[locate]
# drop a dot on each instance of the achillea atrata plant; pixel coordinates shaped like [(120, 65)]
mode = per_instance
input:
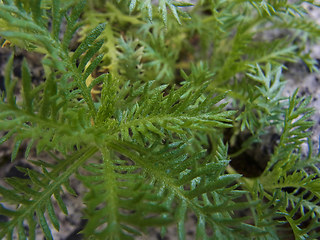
[(143, 110)]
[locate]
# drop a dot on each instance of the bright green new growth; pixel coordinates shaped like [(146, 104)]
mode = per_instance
[(149, 144)]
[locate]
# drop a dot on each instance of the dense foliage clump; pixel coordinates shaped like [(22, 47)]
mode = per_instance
[(145, 111)]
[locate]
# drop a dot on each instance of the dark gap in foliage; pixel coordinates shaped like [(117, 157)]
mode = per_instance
[(3, 218), (285, 229), (190, 233), (208, 11), (76, 235), (130, 132), (77, 63), (4, 56), (178, 77), (128, 160), (159, 237), (315, 200), (288, 189), (4, 160), (251, 161), (17, 63), (245, 212), (14, 172), (2, 88), (34, 63), (318, 65)]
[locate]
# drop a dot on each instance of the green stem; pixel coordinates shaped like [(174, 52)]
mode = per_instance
[(111, 183)]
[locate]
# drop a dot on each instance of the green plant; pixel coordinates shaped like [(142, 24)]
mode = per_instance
[(138, 112)]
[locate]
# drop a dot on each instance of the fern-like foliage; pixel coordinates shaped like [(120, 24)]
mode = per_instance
[(292, 191), (136, 110), (148, 7), (263, 101), (185, 182), (34, 196), (50, 107), (46, 111)]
